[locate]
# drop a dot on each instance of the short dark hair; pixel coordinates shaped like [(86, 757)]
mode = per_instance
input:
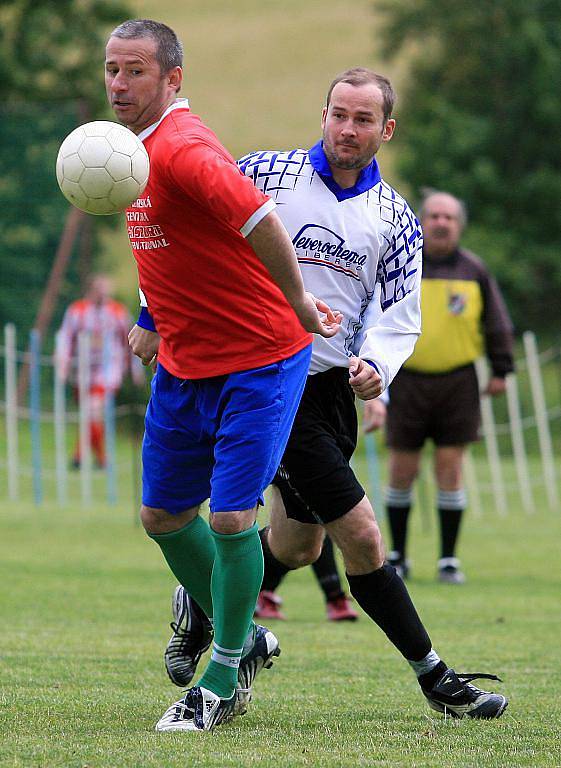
[(363, 76), (169, 51)]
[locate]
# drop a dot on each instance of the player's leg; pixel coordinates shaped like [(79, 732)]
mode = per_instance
[(249, 414), (175, 480), (187, 545), (403, 468), (384, 597), (316, 474), (97, 427), (177, 466), (295, 544), (325, 568), (407, 426), (451, 504), (235, 582), (455, 425)]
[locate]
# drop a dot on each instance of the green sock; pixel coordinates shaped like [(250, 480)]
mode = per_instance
[(190, 554), (236, 581)]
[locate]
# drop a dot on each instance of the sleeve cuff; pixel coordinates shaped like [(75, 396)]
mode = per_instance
[(256, 217), (145, 320)]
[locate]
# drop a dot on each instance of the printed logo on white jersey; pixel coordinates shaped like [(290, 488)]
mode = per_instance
[(317, 244)]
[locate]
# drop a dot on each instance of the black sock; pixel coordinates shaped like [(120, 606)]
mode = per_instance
[(428, 681), (275, 571), (398, 518), (450, 520), (325, 569), (384, 597)]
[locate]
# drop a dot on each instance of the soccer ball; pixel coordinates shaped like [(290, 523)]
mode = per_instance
[(102, 167)]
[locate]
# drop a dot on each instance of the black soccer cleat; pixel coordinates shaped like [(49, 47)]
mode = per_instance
[(454, 695), (192, 636), (265, 648)]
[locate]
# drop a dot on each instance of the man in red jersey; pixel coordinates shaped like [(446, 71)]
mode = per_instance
[(226, 296)]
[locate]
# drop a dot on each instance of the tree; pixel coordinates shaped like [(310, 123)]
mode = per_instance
[(50, 80), (480, 119)]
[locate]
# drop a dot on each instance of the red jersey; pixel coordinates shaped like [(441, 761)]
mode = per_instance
[(108, 325), (214, 304)]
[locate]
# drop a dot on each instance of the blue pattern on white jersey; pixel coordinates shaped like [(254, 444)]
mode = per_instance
[(353, 253)]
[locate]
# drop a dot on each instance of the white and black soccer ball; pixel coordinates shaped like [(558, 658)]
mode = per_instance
[(102, 167)]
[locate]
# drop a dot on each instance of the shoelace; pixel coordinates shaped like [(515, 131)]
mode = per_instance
[(183, 711), (466, 679), (183, 636), (469, 676)]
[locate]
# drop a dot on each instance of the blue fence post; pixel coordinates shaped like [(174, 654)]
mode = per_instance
[(109, 418), (374, 475), (35, 411)]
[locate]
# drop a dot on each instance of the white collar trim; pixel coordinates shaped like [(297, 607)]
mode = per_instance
[(178, 104)]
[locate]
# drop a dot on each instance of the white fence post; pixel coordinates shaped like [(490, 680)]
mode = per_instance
[(474, 497), (490, 436), (540, 411), (518, 447)]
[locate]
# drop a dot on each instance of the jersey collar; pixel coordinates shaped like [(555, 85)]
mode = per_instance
[(177, 104), (368, 177)]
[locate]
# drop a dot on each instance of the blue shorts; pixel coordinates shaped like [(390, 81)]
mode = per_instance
[(220, 438)]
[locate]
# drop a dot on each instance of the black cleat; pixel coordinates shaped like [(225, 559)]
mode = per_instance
[(265, 648), (454, 695), (192, 636)]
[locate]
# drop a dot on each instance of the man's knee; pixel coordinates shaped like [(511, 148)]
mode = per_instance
[(150, 518), (359, 538), (403, 468), (367, 539), (294, 556), (158, 521)]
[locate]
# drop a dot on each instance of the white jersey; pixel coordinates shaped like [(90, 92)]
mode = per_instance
[(359, 250)]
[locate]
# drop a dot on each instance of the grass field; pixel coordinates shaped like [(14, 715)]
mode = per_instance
[(85, 607)]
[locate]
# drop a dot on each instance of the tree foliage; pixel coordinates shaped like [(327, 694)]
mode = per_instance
[(480, 119), (51, 79)]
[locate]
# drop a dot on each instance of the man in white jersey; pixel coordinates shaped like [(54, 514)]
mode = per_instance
[(359, 245)]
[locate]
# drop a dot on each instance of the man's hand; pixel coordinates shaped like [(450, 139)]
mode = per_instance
[(144, 345), (364, 380), (496, 386), (374, 415), (309, 315)]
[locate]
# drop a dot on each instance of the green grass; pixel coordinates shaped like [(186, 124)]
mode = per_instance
[(85, 606)]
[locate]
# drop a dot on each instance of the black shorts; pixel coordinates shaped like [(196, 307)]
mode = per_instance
[(315, 480), (443, 407)]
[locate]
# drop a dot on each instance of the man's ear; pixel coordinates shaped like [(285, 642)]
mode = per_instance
[(389, 128), (175, 78)]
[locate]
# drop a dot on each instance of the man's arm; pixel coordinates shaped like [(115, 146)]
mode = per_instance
[(273, 247), (144, 344), (374, 414), (144, 339), (499, 336), (392, 322)]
